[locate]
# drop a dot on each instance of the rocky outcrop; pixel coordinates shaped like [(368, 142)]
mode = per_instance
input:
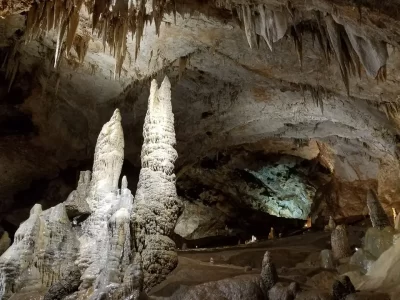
[(199, 221), (156, 201)]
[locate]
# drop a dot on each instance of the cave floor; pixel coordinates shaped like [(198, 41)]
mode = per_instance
[(292, 256)]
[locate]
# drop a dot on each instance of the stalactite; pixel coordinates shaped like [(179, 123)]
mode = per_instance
[(317, 94), (81, 45), (391, 109), (298, 44), (263, 26), (114, 19), (72, 28), (336, 43), (248, 24), (12, 65)]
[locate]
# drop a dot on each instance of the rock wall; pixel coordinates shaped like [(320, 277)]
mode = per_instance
[(156, 202)]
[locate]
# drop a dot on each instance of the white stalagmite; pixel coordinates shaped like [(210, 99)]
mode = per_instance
[(76, 204), (105, 240), (44, 247), (51, 257), (108, 160), (156, 204)]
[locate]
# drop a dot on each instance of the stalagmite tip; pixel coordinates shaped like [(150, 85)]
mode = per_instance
[(116, 115)]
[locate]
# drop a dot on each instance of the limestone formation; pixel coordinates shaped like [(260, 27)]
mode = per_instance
[(44, 248), (331, 224), (377, 214), (269, 276), (397, 222), (156, 202), (340, 242), (4, 242), (51, 257), (65, 286), (363, 260), (76, 204), (377, 241), (106, 249)]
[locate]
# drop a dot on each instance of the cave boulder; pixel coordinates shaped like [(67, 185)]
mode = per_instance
[(200, 221)]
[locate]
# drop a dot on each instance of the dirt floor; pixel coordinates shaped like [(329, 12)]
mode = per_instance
[(296, 258)]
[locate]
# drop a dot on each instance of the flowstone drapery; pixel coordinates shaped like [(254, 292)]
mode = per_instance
[(156, 203), (53, 256)]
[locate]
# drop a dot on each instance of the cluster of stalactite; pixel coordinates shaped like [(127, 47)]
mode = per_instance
[(113, 20), (350, 47)]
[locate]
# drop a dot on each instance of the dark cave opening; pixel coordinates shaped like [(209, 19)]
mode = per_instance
[(240, 194)]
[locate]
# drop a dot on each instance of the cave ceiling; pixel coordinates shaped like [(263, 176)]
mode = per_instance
[(328, 89)]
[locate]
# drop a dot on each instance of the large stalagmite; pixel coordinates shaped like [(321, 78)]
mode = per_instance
[(44, 248), (95, 256), (105, 241), (156, 202)]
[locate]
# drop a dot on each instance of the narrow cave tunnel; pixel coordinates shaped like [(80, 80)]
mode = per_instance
[(190, 150)]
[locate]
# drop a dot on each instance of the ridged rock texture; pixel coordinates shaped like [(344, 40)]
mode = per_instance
[(55, 257), (44, 248), (156, 203)]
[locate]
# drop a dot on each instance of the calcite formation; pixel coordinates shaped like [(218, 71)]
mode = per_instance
[(4, 242), (76, 204), (347, 43), (156, 202), (44, 247), (340, 242), (377, 214), (269, 276), (377, 241), (55, 253), (327, 260)]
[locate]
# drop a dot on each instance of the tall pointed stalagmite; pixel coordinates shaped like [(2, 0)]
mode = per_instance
[(97, 243), (376, 213), (52, 256), (156, 205)]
